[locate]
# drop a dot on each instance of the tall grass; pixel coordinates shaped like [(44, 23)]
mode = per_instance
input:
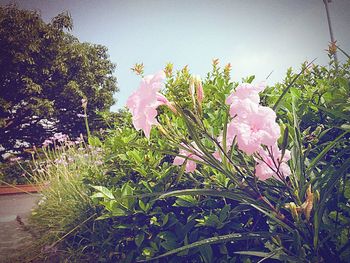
[(65, 212)]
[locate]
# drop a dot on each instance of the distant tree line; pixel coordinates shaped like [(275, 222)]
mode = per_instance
[(45, 72)]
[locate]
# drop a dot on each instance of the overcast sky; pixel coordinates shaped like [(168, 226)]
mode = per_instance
[(255, 36)]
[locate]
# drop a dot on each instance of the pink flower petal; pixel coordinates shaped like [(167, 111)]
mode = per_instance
[(271, 163), (143, 102), (190, 164)]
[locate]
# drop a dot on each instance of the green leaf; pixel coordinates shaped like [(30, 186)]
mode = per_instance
[(240, 197), (224, 213), (104, 191), (206, 253), (118, 212), (250, 79), (139, 239), (345, 127), (214, 240), (165, 219), (143, 206), (342, 51), (94, 141), (273, 255), (314, 161), (347, 190), (212, 220), (219, 193), (127, 190), (186, 201), (98, 195), (298, 156), (334, 113), (104, 216), (273, 217), (285, 141), (147, 252), (170, 240), (135, 155), (325, 195)]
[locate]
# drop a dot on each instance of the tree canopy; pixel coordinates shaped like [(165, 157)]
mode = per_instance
[(45, 72)]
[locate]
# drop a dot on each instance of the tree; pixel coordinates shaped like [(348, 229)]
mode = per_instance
[(44, 74)]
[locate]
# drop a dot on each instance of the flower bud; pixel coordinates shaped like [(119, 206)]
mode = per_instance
[(84, 103), (162, 130), (308, 204), (169, 69), (196, 89), (138, 69), (318, 130), (317, 196), (199, 89), (162, 100), (293, 209), (332, 47), (227, 70)]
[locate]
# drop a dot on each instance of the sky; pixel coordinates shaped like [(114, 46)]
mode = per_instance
[(255, 36)]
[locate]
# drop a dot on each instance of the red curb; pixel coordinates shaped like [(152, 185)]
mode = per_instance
[(23, 188)]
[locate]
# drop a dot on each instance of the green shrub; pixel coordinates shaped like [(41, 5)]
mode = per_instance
[(294, 220), (142, 207), (14, 172)]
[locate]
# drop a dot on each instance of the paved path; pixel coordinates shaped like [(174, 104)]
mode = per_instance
[(13, 210)]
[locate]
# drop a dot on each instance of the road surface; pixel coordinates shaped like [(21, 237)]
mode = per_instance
[(14, 210)]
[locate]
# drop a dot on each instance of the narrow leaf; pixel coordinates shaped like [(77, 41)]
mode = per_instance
[(325, 151), (214, 240)]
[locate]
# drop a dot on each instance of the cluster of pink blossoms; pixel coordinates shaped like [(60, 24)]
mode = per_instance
[(272, 162), (253, 126), (144, 101), (57, 137)]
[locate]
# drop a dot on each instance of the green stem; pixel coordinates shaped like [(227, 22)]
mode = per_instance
[(86, 123)]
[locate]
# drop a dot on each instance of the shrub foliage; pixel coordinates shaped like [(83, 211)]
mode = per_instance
[(145, 208)]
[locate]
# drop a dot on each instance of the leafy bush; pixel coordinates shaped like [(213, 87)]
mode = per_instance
[(297, 217), (143, 207), (14, 172)]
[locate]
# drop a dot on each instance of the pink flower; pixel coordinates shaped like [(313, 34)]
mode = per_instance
[(47, 143), (60, 137), (15, 159), (217, 155), (143, 102), (245, 95), (162, 100), (258, 126), (190, 164), (246, 91), (271, 163)]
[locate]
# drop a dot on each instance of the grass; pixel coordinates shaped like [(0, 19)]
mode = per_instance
[(65, 212)]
